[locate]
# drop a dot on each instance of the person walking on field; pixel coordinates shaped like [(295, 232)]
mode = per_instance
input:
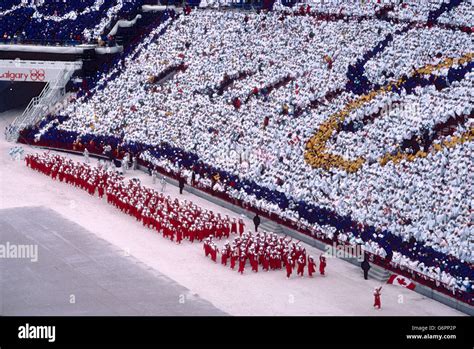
[(256, 221), (377, 294), (242, 260), (163, 184), (365, 267), (86, 156), (311, 266), (322, 264), (181, 184), (289, 267), (301, 264)]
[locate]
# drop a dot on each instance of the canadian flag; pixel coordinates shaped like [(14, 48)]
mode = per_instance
[(399, 280)]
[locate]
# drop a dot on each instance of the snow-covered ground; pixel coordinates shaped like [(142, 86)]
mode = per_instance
[(342, 292)]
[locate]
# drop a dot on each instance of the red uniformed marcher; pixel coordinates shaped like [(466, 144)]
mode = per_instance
[(377, 294), (289, 267), (322, 264), (242, 261), (311, 266), (301, 264)]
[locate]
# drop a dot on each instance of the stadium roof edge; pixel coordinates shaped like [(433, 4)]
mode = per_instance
[(79, 49)]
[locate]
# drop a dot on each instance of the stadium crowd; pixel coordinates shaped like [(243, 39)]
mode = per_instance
[(229, 100), (52, 21)]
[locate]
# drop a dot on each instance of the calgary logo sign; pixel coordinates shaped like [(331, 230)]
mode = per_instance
[(32, 75)]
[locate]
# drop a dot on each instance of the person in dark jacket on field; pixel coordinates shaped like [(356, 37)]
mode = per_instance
[(256, 221), (181, 184), (365, 267)]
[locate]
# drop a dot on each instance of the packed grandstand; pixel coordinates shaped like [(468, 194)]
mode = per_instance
[(71, 22), (350, 121)]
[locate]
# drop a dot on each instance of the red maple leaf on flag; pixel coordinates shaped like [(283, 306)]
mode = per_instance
[(401, 281)]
